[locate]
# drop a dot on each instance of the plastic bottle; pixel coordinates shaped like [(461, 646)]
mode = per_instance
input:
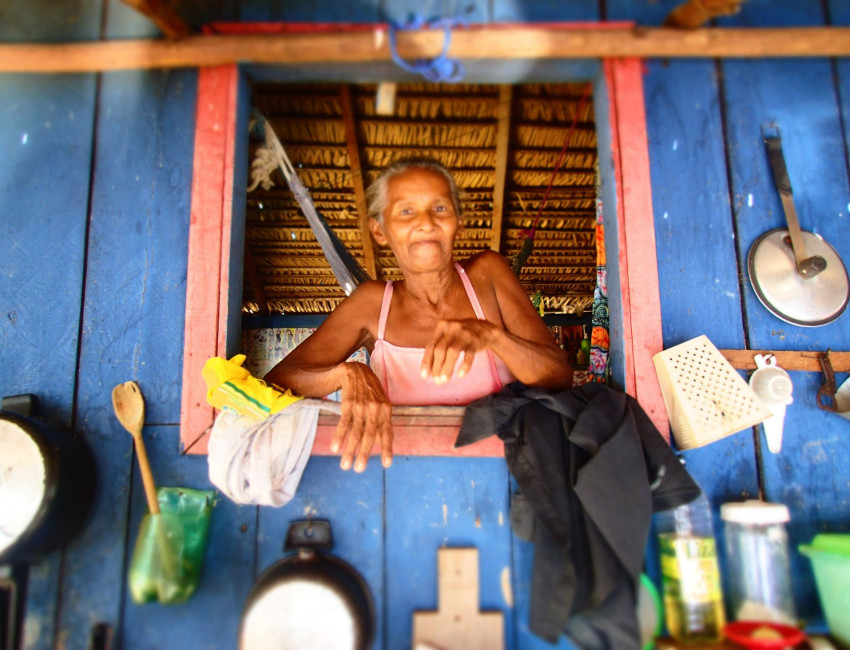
[(758, 562), (693, 600)]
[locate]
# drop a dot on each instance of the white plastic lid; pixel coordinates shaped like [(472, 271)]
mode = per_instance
[(755, 512)]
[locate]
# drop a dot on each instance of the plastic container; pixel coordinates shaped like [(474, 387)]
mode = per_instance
[(830, 556), (758, 562), (764, 636), (650, 613), (693, 600), (705, 397), (169, 552)]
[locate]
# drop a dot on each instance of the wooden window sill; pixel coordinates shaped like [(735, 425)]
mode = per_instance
[(417, 431)]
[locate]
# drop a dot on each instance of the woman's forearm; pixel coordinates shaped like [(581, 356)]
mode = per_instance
[(532, 363), (307, 380)]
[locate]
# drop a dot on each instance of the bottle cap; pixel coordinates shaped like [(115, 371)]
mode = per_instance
[(755, 512)]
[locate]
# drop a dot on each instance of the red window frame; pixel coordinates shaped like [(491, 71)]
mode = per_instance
[(209, 277)]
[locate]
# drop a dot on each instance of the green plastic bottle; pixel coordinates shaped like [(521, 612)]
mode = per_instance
[(693, 600)]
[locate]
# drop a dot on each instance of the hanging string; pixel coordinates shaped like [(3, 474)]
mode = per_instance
[(440, 68), (528, 243)]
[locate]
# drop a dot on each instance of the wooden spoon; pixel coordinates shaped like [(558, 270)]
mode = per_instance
[(129, 408)]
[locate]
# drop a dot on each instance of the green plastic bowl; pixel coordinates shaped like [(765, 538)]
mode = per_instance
[(830, 556)]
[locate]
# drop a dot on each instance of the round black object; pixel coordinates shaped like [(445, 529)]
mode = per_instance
[(309, 599), (47, 484)]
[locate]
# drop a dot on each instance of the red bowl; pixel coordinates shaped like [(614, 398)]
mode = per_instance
[(742, 631)]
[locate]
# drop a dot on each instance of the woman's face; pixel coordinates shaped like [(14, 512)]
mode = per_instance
[(420, 223)]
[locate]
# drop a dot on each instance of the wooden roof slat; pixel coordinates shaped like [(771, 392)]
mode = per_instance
[(500, 159), (357, 179)]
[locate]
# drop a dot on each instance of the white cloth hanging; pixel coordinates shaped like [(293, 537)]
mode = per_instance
[(261, 463)]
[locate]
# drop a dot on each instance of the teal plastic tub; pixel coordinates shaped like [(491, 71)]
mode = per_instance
[(830, 556)]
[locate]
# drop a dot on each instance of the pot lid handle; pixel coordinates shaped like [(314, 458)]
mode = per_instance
[(309, 534), (24, 405), (807, 267)]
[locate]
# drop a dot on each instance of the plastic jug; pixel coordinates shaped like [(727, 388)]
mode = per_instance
[(693, 600), (758, 562)]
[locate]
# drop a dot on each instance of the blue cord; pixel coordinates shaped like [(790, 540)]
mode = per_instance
[(440, 68)]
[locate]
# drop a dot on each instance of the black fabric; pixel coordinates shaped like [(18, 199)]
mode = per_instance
[(593, 468)]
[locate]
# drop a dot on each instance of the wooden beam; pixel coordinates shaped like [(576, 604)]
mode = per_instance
[(367, 46), (254, 281), (163, 16), (357, 179), (503, 137), (470, 123), (788, 359), (554, 150)]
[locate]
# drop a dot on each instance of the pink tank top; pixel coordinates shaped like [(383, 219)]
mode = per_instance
[(398, 368)]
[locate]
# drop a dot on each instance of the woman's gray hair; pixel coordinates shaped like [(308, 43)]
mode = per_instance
[(376, 195)]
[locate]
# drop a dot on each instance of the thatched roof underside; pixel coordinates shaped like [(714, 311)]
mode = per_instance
[(480, 132)]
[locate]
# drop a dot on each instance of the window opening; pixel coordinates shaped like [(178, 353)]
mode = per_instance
[(501, 142)]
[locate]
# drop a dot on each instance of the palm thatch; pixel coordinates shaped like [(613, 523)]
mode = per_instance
[(468, 129)]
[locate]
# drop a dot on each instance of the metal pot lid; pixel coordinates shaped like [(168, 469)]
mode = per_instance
[(808, 302), (297, 614), (309, 599), (23, 482)]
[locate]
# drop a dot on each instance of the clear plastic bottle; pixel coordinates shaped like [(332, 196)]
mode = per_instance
[(693, 600), (758, 562)]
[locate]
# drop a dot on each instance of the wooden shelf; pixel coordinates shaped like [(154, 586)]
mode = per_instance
[(788, 359)]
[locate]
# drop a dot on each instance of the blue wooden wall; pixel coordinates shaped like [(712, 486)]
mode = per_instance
[(94, 213)]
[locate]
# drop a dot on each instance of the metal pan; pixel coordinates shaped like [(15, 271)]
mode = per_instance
[(47, 485), (309, 599), (796, 274)]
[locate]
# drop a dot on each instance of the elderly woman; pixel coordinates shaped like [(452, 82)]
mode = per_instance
[(446, 334)]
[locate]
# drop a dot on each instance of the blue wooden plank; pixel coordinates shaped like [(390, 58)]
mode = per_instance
[(133, 314), (770, 13), (838, 12), (514, 11), (47, 124), (318, 11), (402, 12), (696, 249), (44, 184), (25, 20), (642, 13), (800, 97), (695, 244), (433, 503), (810, 475), (46, 132), (354, 504), (210, 617), (690, 200)]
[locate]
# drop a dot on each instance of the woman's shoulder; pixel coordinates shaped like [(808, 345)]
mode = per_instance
[(360, 310), (489, 264), (362, 303), (368, 292)]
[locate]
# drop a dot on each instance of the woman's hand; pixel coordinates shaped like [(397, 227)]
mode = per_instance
[(366, 415), (451, 338)]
